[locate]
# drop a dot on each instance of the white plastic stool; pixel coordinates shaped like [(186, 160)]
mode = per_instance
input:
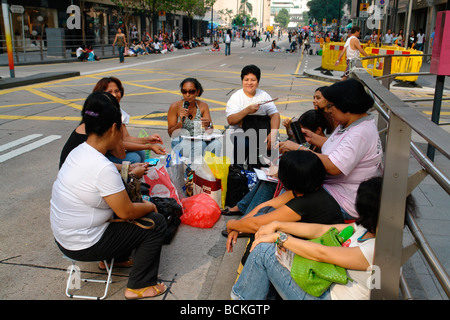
[(74, 269)]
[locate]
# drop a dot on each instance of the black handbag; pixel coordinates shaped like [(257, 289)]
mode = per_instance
[(172, 212), (237, 186)]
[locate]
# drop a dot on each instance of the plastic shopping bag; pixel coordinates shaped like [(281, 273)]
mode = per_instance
[(219, 167), (144, 134), (205, 182), (200, 211), (160, 184)]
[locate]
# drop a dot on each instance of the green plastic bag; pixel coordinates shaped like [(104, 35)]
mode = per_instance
[(315, 277), (143, 134)]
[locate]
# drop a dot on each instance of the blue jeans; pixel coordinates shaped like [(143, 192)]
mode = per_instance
[(133, 157), (262, 192), (227, 48), (121, 51), (261, 269)]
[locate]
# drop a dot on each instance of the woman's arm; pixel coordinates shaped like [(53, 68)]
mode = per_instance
[(206, 114), (172, 119), (299, 229), (252, 224), (349, 258), (122, 206), (236, 118)]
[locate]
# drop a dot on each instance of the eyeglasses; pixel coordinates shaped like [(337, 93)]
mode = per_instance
[(188, 91)]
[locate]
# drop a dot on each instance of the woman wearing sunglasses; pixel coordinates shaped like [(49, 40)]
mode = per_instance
[(191, 117)]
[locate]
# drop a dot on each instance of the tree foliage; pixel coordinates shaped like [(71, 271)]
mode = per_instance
[(325, 9), (282, 18)]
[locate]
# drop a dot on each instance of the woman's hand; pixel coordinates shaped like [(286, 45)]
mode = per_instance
[(267, 238), (206, 122), (286, 123), (252, 108), (151, 205), (231, 240), (184, 113), (154, 138), (139, 169), (286, 146), (267, 229), (157, 149)]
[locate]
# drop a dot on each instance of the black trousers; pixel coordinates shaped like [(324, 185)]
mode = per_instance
[(119, 240)]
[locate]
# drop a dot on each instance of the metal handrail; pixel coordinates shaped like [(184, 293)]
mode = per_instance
[(437, 137)]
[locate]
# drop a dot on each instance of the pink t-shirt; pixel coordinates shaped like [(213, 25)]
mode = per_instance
[(356, 151)]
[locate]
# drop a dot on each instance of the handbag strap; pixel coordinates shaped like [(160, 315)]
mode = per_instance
[(136, 222)]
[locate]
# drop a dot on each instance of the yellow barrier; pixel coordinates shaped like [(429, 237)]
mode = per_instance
[(332, 50), (398, 65), (330, 54)]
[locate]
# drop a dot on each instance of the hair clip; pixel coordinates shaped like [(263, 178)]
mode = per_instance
[(91, 113)]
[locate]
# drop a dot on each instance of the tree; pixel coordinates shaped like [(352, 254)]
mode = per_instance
[(246, 5), (326, 9), (282, 18), (227, 13)]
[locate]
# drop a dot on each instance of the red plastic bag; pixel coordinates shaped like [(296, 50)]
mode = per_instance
[(200, 211), (160, 184)]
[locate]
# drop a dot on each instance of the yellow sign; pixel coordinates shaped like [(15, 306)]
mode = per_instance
[(161, 13), (363, 6)]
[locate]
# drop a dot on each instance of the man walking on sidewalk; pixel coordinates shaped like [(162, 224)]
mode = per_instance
[(352, 48)]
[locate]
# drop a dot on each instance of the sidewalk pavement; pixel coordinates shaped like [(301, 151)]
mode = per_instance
[(214, 273)]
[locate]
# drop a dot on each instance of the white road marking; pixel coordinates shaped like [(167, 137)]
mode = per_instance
[(28, 147), (18, 141)]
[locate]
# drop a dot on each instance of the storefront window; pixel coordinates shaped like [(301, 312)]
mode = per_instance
[(35, 20)]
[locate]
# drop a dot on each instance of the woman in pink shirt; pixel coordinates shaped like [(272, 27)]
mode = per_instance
[(353, 152)]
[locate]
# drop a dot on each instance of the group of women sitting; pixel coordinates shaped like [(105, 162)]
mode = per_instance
[(332, 181)]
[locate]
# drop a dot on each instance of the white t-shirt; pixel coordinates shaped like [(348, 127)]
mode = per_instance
[(78, 212), (356, 151), (388, 38), (125, 117), (79, 52), (239, 101), (420, 37), (359, 288)]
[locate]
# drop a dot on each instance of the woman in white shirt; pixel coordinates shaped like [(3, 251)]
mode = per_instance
[(89, 191), (356, 254), (252, 101)]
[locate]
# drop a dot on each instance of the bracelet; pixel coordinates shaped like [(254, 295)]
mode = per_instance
[(299, 147)]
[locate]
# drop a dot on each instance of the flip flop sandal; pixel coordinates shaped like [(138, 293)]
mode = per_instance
[(139, 293)]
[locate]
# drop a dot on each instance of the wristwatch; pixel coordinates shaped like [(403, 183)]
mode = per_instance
[(282, 237)]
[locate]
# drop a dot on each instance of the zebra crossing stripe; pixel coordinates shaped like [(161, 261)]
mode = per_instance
[(18, 141), (28, 147)]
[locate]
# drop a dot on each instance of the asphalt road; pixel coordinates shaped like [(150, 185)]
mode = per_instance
[(36, 120)]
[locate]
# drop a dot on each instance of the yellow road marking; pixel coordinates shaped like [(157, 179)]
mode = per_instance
[(55, 99), (45, 118)]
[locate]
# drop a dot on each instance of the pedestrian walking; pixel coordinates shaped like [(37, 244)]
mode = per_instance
[(228, 43), (121, 44)]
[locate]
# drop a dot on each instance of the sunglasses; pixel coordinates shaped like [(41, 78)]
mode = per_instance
[(188, 91)]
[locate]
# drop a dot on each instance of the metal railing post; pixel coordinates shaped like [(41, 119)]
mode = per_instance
[(389, 240)]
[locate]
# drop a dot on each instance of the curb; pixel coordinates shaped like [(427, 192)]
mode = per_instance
[(37, 78)]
